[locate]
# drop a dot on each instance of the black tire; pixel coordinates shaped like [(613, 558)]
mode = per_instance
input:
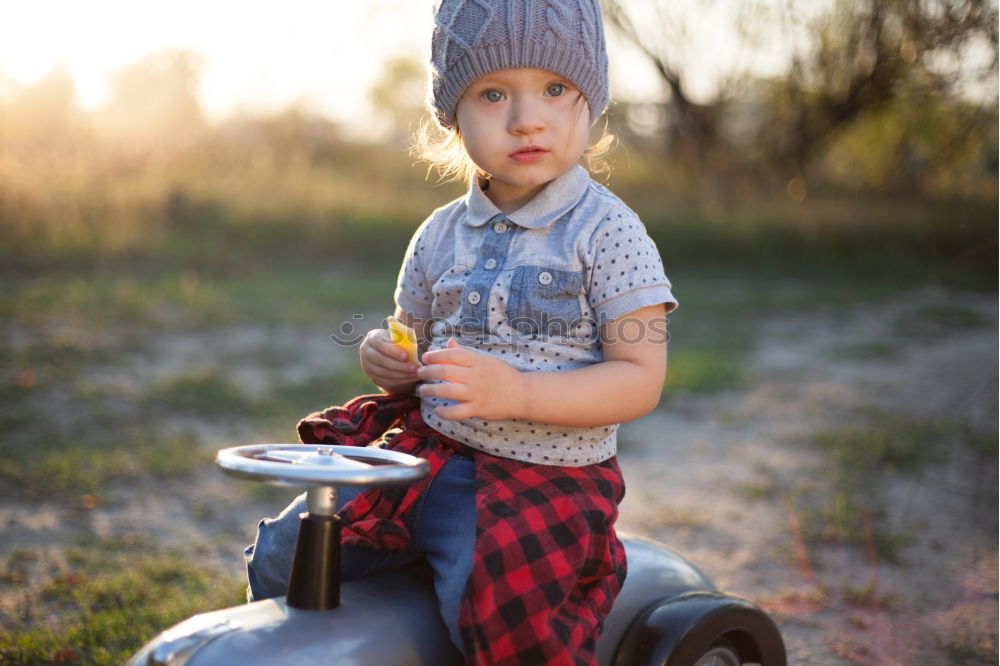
[(721, 653), (701, 628)]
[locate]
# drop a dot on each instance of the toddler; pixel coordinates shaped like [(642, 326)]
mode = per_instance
[(540, 304)]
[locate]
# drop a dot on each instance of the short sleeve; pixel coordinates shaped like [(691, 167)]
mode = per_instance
[(625, 272), (413, 291)]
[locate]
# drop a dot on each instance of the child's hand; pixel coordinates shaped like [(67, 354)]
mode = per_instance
[(387, 364), (484, 386)]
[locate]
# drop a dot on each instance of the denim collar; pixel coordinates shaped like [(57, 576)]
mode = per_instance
[(554, 201)]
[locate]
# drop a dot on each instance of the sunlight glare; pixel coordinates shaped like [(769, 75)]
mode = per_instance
[(256, 57)]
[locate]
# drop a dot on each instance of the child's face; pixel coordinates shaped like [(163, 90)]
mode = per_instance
[(524, 127)]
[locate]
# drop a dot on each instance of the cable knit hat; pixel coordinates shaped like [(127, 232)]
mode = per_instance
[(475, 37)]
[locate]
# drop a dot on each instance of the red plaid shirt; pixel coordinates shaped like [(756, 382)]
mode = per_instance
[(547, 565)]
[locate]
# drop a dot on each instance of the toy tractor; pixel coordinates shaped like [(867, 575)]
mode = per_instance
[(667, 614)]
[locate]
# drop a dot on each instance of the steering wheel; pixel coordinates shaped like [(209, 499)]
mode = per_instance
[(321, 468)]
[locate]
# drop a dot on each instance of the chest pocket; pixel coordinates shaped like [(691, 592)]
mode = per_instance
[(544, 300)]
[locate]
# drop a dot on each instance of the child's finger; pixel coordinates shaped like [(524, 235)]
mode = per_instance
[(444, 390), (383, 343), (381, 377), (395, 374), (375, 355), (454, 412), (375, 358), (444, 371), (391, 350)]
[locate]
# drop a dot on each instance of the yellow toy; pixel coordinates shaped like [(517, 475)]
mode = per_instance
[(402, 335)]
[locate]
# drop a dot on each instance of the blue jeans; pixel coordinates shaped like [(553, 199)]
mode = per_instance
[(442, 525)]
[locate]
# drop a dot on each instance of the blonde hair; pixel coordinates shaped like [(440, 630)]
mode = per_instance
[(444, 151)]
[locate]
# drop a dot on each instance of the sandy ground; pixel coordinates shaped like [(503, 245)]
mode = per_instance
[(689, 464), (714, 478)]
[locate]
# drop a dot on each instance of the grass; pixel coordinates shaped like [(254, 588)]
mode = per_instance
[(142, 299), (210, 393), (868, 596), (292, 400), (110, 596), (721, 310), (761, 490), (62, 436), (983, 444), (66, 431), (861, 457), (886, 441), (968, 649), (933, 321), (121, 438), (69, 438), (701, 370), (205, 391), (877, 350), (681, 518), (879, 244), (55, 468)]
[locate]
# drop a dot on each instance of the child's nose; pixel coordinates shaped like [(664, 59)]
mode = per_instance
[(526, 118)]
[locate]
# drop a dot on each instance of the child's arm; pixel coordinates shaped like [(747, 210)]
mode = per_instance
[(624, 386), (388, 365)]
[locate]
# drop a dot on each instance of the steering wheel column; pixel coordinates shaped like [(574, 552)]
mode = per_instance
[(314, 583)]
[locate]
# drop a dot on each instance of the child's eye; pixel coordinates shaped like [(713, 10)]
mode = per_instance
[(493, 96), (555, 89)]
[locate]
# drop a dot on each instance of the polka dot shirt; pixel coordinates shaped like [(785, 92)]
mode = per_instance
[(532, 288)]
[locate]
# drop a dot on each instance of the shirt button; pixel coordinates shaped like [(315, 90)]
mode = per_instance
[(545, 277), (500, 227), (438, 329), (490, 264), (474, 297)]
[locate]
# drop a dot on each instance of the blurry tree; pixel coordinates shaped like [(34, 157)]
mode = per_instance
[(398, 96), (866, 56), (853, 59), (941, 145), (154, 102), (293, 135), (40, 114), (659, 32)]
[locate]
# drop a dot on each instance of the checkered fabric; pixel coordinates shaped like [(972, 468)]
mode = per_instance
[(548, 564), (375, 518)]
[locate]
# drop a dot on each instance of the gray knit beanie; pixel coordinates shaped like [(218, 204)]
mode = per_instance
[(475, 37)]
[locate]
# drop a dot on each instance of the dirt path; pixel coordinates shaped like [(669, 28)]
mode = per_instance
[(715, 478), (719, 479)]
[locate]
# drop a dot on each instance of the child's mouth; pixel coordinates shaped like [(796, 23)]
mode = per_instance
[(528, 154)]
